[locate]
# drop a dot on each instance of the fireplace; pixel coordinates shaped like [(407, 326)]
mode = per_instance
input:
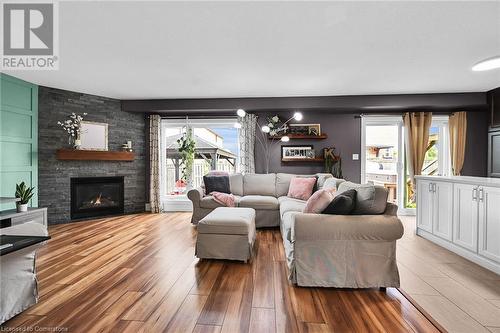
[(96, 196)]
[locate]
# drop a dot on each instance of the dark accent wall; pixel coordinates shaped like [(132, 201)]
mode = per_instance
[(344, 133), (476, 147), (54, 175)]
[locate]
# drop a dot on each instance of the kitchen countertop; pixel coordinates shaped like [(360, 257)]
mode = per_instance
[(485, 181)]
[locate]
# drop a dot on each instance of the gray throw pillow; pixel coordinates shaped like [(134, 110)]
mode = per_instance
[(370, 199)]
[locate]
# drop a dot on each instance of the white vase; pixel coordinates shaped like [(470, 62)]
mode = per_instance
[(22, 208)]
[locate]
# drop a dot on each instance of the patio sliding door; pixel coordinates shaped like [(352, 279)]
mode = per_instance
[(216, 148), (382, 155), (383, 159)]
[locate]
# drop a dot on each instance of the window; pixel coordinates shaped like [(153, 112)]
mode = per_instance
[(437, 158), (383, 160), (216, 148)]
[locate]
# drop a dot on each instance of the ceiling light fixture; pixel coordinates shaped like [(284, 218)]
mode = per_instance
[(298, 116), (266, 129), (487, 64), (241, 113), (285, 138)]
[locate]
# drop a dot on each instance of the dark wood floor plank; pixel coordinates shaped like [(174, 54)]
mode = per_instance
[(187, 315), (229, 280), (286, 319), (345, 316), (169, 305), (263, 289), (237, 317), (204, 283), (307, 305)]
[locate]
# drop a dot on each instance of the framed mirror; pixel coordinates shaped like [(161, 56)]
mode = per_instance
[(94, 136)]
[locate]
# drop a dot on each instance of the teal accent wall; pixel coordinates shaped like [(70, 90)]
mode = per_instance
[(18, 137)]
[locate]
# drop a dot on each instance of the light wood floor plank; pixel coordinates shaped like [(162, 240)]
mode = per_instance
[(262, 321)]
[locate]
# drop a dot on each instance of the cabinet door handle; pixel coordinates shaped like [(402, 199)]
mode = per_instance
[(430, 187), (434, 187), (481, 194), (474, 194)]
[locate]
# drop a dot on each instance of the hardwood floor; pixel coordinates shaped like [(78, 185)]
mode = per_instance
[(138, 273)]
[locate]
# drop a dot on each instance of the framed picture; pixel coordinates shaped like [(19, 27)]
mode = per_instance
[(94, 136), (297, 152), (305, 129)]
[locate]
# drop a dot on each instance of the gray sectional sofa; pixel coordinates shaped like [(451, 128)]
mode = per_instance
[(343, 251)]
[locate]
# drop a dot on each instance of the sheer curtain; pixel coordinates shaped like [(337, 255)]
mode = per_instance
[(154, 162), (247, 143), (458, 133), (417, 126)]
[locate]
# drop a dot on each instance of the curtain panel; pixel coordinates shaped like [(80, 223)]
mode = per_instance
[(458, 133), (154, 162), (417, 126), (247, 143)]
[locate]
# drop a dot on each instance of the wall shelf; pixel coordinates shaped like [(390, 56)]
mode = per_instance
[(93, 155), (303, 160), (303, 137)]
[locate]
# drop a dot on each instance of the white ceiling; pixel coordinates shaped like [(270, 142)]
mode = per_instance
[(135, 50)]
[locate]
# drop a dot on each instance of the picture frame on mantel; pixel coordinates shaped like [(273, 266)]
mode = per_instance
[(94, 136)]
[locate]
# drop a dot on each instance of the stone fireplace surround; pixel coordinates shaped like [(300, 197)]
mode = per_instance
[(54, 176)]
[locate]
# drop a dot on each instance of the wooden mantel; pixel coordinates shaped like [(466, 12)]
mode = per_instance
[(94, 155)]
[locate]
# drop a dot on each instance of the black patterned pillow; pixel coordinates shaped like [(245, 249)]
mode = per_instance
[(216, 183), (342, 204)]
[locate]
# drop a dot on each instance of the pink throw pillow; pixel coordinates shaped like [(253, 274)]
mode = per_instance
[(225, 199), (301, 188), (319, 201)]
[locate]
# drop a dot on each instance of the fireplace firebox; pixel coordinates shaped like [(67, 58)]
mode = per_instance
[(96, 196)]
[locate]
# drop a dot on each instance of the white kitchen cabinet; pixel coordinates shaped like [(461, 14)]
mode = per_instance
[(424, 205), (442, 210), (465, 216), (489, 222), (435, 206), (461, 214)]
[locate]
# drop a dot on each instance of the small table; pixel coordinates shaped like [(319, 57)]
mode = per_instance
[(10, 243)]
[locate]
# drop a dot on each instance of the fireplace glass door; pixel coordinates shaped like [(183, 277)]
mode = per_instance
[(96, 196)]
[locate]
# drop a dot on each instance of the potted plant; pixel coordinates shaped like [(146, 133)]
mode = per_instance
[(24, 194), (187, 147)]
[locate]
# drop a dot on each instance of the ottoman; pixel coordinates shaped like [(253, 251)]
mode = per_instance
[(226, 233)]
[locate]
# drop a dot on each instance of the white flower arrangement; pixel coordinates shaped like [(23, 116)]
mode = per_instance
[(73, 124), (274, 124)]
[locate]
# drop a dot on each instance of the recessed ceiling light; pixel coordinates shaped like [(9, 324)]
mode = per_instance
[(487, 64)]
